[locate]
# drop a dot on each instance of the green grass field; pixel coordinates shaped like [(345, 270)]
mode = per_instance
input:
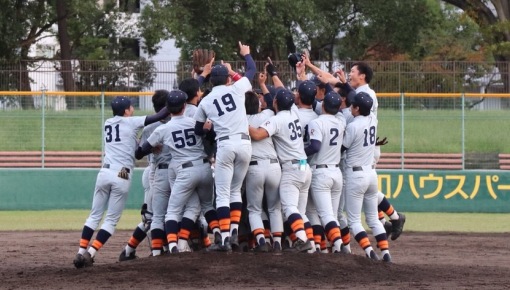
[(425, 131), (419, 222)]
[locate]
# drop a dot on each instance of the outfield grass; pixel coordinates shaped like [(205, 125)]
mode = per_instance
[(426, 131), (419, 222)]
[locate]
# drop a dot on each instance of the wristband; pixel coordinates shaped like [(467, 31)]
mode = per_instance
[(235, 77)]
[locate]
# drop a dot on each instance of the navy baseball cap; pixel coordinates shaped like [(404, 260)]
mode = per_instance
[(332, 102), (120, 104), (307, 91), (219, 70), (364, 101), (284, 99), (176, 98)]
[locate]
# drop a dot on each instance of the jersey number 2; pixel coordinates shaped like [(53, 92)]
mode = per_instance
[(109, 135), (228, 103)]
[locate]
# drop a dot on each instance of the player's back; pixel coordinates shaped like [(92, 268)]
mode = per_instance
[(360, 136), (120, 136), (224, 106), (262, 149), (329, 130), (180, 137), (286, 131)]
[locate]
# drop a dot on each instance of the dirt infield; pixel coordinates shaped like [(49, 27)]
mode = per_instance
[(43, 260)]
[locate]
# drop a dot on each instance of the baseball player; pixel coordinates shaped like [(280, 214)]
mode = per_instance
[(140, 232), (361, 178), (326, 136), (190, 174), (286, 131), (224, 107), (263, 179), (114, 178)]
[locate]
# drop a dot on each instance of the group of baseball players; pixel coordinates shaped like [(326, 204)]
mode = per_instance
[(298, 167)]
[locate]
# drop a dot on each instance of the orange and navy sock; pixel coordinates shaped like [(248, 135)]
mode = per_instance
[(382, 242), (298, 227), (224, 221), (380, 214), (86, 236), (172, 228), (186, 228), (258, 234), (235, 216), (318, 232), (364, 242), (309, 231), (158, 240), (212, 220), (387, 208), (277, 238), (138, 236), (267, 231), (346, 235), (333, 234), (101, 239)]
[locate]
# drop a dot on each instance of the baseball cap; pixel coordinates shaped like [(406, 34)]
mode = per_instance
[(120, 104), (332, 102), (364, 101), (307, 91), (176, 99), (284, 99), (219, 70)]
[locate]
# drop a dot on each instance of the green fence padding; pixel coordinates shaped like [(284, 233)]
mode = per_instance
[(407, 190)]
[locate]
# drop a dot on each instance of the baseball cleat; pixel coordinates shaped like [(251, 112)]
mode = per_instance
[(388, 227), (300, 246), (373, 256), (123, 256), (397, 226), (217, 238), (84, 260), (345, 249), (219, 247), (234, 241), (387, 258), (277, 248), (264, 248), (174, 250)]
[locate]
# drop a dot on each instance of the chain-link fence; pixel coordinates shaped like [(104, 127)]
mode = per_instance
[(424, 107)]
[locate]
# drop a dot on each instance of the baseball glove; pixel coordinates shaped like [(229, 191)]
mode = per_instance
[(201, 57)]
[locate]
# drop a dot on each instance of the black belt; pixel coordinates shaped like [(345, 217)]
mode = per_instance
[(190, 163), (327, 166), (295, 161), (125, 168), (359, 168), (243, 136), (163, 166), (270, 161)]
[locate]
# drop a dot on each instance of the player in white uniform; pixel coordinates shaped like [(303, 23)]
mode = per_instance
[(286, 131), (114, 179), (224, 107), (359, 79), (190, 174), (326, 136), (140, 232), (263, 179), (361, 178)]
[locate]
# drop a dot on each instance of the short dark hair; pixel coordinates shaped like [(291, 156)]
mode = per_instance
[(218, 80), (365, 69), (159, 99), (190, 87), (251, 103)]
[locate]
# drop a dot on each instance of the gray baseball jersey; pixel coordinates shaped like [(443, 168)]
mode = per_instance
[(120, 136), (359, 140), (305, 116), (224, 106), (190, 110), (263, 149), (329, 130), (287, 133)]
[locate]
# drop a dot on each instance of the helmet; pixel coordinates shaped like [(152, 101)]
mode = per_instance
[(307, 91), (364, 101), (120, 104), (284, 99), (332, 102)]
